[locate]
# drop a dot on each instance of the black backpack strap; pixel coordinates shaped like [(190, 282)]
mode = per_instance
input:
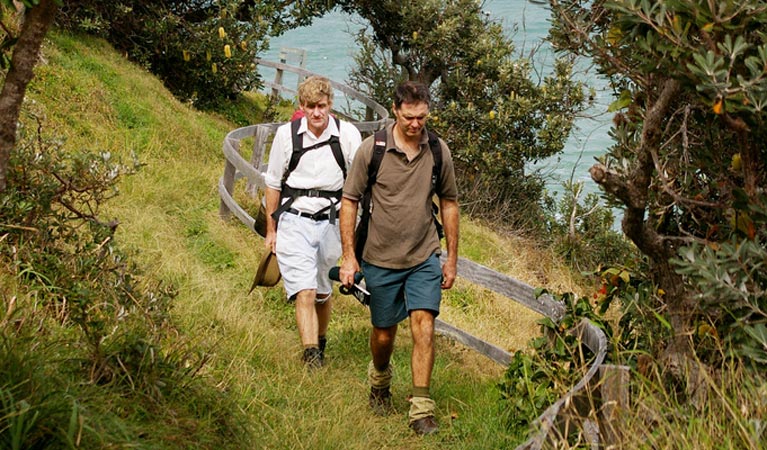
[(298, 148), (298, 151), (436, 152), (379, 148), (291, 194), (335, 146), (361, 235), (436, 172)]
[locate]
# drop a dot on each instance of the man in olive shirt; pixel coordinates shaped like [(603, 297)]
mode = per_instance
[(401, 258)]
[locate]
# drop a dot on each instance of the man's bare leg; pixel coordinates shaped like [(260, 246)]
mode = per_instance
[(422, 359), (306, 318)]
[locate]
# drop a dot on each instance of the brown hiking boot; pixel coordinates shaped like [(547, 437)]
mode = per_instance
[(312, 358), (424, 426), (380, 401)]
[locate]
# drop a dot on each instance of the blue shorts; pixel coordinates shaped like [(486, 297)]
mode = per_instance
[(396, 292)]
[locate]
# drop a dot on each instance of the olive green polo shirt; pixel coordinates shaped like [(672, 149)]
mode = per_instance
[(402, 233)]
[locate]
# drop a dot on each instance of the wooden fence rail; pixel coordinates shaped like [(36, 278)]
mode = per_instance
[(590, 405)]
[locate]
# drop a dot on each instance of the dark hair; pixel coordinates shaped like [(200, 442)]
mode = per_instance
[(411, 92)]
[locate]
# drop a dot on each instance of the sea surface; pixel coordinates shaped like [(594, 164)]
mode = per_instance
[(330, 46)]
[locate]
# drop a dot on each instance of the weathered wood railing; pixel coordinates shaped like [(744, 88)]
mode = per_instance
[(589, 405), (372, 109)]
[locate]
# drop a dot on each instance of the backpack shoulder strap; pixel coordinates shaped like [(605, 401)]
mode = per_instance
[(379, 148), (298, 148), (335, 146), (436, 151), (436, 171), (361, 235)]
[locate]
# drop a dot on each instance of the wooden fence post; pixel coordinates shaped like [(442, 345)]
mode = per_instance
[(614, 392), (285, 52)]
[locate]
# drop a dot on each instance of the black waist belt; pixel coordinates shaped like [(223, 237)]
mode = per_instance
[(316, 216)]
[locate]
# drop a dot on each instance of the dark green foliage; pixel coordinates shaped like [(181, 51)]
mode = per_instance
[(556, 362), (687, 165), (489, 107), (91, 326), (731, 285), (582, 232), (183, 43)]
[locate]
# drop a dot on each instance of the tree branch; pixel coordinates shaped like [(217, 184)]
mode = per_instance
[(632, 189), (36, 23)]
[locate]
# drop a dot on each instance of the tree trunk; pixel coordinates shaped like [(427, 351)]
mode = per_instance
[(36, 23), (633, 190)]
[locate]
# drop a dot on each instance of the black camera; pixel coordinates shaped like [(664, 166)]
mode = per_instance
[(358, 289)]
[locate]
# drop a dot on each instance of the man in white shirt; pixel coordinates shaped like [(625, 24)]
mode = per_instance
[(307, 167)]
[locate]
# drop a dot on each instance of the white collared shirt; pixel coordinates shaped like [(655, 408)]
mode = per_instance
[(317, 169)]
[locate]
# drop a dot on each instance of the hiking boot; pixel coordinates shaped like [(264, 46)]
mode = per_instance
[(424, 426), (380, 401), (312, 358)]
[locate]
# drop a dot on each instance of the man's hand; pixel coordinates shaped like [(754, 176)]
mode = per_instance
[(270, 241), (449, 273), (349, 268)]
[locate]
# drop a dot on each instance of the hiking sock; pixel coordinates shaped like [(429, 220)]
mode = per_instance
[(419, 391), (379, 379), (421, 404), (323, 342)]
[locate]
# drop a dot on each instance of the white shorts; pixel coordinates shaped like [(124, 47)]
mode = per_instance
[(306, 251)]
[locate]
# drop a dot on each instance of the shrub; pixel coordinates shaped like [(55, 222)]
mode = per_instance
[(582, 232), (88, 314), (204, 55), (730, 282), (203, 51)]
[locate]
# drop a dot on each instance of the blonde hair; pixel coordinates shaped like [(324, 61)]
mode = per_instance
[(312, 89)]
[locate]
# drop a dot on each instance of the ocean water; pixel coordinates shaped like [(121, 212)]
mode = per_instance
[(330, 46)]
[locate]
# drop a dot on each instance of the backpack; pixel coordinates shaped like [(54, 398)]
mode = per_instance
[(379, 150), (288, 194)]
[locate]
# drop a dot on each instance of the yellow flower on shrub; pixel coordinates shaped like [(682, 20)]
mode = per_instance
[(244, 45), (187, 57), (221, 32), (737, 162), (718, 106), (227, 51), (214, 68), (491, 114), (208, 56)]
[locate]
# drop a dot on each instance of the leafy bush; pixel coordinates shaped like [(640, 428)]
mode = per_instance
[(556, 362), (86, 313), (730, 282), (583, 232), (203, 54), (490, 107)]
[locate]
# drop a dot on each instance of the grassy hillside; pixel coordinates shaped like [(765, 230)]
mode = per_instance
[(168, 216)]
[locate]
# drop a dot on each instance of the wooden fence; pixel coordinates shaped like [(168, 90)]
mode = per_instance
[(590, 406)]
